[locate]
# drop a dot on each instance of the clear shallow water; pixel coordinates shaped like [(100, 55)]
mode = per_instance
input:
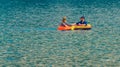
[(29, 38)]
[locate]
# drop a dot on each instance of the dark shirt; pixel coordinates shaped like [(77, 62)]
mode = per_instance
[(81, 23), (64, 24)]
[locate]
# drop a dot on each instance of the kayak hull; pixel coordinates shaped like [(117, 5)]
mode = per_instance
[(75, 27)]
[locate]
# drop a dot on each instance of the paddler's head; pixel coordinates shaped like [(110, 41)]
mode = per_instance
[(64, 19), (82, 18)]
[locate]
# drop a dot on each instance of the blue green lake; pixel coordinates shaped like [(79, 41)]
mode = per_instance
[(29, 35)]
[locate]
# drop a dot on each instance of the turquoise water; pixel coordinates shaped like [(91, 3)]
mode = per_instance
[(29, 36)]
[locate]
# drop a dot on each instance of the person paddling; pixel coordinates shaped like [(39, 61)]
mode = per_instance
[(64, 22), (82, 21)]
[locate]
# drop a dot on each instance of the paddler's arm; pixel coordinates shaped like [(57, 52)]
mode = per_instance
[(73, 23), (65, 24)]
